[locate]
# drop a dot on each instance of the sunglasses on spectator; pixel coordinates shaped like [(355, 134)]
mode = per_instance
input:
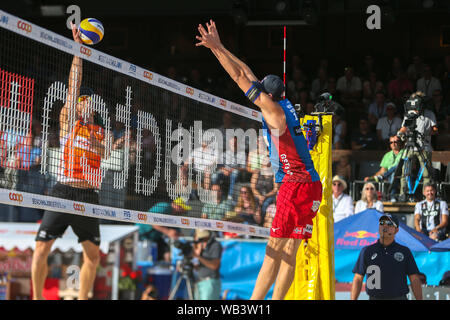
[(83, 98), (387, 223), (337, 184), (244, 191)]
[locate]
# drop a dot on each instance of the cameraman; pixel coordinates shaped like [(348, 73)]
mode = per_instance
[(208, 251), (421, 128)]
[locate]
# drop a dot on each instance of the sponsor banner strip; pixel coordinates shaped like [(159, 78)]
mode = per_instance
[(24, 199), (52, 39)]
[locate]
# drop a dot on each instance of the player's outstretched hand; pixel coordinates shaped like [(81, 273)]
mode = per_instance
[(75, 33), (208, 38)]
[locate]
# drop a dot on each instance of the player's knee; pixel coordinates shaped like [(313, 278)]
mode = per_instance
[(42, 250), (91, 255)]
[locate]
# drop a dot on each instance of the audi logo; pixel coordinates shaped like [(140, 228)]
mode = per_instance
[(24, 26), (148, 75), (15, 197), (142, 216), (79, 207), (85, 51), (189, 91)]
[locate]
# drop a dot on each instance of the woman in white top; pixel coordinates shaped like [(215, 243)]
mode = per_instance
[(369, 199)]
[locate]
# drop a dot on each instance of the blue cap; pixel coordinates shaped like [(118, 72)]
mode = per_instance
[(274, 85), (86, 91), (392, 218)]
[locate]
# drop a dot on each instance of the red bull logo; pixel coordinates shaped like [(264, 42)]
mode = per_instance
[(361, 234), (185, 221), (360, 241)]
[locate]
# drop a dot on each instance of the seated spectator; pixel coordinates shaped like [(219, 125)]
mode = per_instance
[(398, 86), (368, 94), (257, 156), (369, 199), (263, 185), (428, 84), (339, 130), (247, 207), (415, 69), (203, 159), (320, 84), (431, 215), (349, 87), (396, 68), (388, 125), (331, 88), (221, 206), (377, 109), (342, 203), (368, 67), (364, 139), (158, 234), (309, 107), (269, 215), (297, 76), (233, 166), (388, 166), (344, 169), (441, 110)]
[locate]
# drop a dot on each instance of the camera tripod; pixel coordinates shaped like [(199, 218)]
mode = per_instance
[(409, 154), (188, 277)]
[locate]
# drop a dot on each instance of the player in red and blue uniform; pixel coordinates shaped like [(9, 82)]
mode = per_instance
[(300, 193)]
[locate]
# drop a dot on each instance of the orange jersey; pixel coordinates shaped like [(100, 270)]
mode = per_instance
[(80, 162)]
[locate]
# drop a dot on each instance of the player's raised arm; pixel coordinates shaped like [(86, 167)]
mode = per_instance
[(75, 77), (242, 75)]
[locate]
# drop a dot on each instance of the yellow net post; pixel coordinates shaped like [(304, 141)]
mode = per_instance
[(314, 275)]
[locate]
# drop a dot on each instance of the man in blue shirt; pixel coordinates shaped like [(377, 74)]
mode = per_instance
[(386, 265)]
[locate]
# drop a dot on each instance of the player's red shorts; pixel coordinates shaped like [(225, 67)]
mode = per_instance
[(297, 205)]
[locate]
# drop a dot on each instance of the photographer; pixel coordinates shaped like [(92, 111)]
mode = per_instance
[(208, 251), (416, 131)]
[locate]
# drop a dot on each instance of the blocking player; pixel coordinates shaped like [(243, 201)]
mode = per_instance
[(300, 193), (82, 144)]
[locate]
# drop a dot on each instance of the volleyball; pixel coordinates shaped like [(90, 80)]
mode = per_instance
[(91, 31)]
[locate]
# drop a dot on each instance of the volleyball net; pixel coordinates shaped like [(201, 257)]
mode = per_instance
[(156, 151)]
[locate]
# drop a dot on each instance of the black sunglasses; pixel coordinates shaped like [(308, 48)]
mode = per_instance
[(386, 222)]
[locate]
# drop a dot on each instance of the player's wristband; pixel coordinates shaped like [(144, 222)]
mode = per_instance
[(254, 91)]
